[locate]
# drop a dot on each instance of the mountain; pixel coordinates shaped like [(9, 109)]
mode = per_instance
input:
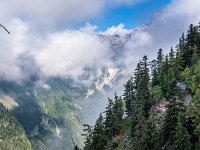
[(159, 107), (51, 112), (12, 135)]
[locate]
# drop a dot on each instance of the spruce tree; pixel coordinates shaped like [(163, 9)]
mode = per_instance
[(143, 89), (109, 119), (170, 121), (99, 138), (154, 73), (181, 137), (152, 134), (88, 134), (129, 97), (118, 113), (171, 55)]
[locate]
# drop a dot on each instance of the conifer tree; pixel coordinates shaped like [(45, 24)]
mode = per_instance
[(160, 59), (99, 138), (109, 119), (129, 97), (144, 86), (88, 137), (170, 121), (118, 113), (138, 141), (137, 75), (181, 137), (154, 73), (171, 55)]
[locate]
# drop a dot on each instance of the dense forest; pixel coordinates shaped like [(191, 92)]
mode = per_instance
[(160, 105), (12, 135)]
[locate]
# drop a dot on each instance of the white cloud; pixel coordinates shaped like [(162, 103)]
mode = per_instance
[(117, 30), (164, 30), (66, 53), (52, 13), (62, 54)]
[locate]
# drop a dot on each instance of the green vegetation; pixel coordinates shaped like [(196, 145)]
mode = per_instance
[(12, 135), (160, 105), (49, 116)]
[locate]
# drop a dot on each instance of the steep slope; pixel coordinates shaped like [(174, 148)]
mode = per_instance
[(159, 108), (48, 112), (52, 111), (12, 135)]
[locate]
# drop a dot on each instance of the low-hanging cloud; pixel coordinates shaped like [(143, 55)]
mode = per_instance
[(164, 30), (66, 53), (58, 54)]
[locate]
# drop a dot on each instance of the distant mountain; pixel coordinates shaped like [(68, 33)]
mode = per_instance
[(52, 112)]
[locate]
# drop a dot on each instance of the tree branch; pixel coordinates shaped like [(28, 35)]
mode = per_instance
[(4, 28)]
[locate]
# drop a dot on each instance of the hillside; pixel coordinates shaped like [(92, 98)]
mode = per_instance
[(52, 111), (159, 108), (12, 135)]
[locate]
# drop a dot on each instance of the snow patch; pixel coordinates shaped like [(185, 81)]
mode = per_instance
[(89, 93), (106, 79)]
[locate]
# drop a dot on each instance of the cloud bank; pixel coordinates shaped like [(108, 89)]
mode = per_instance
[(67, 52), (164, 30), (52, 13)]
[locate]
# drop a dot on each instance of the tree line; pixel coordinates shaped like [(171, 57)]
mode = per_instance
[(156, 111)]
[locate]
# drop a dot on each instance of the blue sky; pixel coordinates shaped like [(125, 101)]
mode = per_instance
[(54, 33), (130, 16)]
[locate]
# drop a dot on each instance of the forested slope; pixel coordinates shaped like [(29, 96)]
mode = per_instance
[(12, 135), (160, 107)]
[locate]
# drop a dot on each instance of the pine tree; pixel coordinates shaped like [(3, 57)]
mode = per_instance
[(181, 137), (191, 41), (88, 137), (137, 75), (109, 119), (118, 113), (143, 89), (152, 135), (137, 140), (171, 55), (170, 121), (99, 138), (194, 111), (160, 58), (154, 73), (129, 97)]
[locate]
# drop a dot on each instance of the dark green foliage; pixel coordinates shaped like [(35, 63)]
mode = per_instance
[(118, 113), (88, 137), (147, 135), (76, 147), (109, 124), (160, 113), (143, 90), (170, 121), (181, 137), (12, 135), (99, 138), (129, 97)]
